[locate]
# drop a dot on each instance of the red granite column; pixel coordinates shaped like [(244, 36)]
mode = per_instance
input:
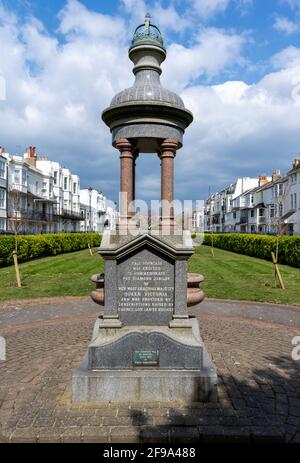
[(167, 154), (126, 178), (136, 155)]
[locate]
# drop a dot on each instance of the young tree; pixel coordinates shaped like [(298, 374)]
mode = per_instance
[(210, 220), (16, 219), (277, 221)]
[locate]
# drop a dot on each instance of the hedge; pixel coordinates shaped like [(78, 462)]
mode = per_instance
[(34, 246), (259, 246)]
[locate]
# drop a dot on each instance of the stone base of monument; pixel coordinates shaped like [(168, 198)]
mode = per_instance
[(175, 366), (146, 347)]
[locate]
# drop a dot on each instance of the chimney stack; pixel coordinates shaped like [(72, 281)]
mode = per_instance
[(276, 175), (296, 163), (263, 180), (30, 155)]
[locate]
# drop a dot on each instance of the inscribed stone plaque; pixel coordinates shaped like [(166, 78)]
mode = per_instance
[(145, 357), (145, 288)]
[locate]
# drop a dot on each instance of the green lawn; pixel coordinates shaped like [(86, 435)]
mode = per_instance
[(227, 276), (235, 276), (63, 275)]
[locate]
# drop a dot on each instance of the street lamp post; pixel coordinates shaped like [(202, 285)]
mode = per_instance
[(90, 190)]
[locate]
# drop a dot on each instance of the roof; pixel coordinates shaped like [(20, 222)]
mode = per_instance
[(288, 214), (295, 168), (270, 184), (245, 193)]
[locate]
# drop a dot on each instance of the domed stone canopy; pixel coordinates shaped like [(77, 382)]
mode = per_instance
[(147, 113), (147, 88)]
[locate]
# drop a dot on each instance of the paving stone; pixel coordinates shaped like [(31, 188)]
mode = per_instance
[(24, 436), (184, 435), (257, 400), (125, 434), (155, 434), (264, 434), (211, 434), (295, 411), (237, 435), (95, 434), (296, 439), (119, 421)]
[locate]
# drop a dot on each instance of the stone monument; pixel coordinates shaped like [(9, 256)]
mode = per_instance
[(146, 347)]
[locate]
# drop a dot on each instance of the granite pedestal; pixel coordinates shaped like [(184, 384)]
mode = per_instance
[(145, 347)]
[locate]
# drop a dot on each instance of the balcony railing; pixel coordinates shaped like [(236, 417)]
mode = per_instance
[(69, 214), (17, 187), (35, 216)]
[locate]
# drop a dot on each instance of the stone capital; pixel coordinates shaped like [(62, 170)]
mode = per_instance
[(125, 147), (168, 148)]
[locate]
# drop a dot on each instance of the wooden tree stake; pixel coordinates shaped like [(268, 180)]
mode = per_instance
[(277, 271), (15, 257), (90, 249)]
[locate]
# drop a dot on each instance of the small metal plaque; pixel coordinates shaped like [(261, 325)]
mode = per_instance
[(145, 357)]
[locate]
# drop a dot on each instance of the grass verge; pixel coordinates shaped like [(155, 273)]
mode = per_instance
[(227, 276)]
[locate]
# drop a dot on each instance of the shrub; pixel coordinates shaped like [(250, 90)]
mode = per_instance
[(259, 246), (34, 246)]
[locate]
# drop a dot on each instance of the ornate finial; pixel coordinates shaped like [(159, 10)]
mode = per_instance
[(147, 23), (147, 32)]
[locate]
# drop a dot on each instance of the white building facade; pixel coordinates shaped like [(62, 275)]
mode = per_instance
[(66, 187), (38, 195), (266, 205), (3, 191), (29, 199), (292, 199), (97, 212), (220, 208)]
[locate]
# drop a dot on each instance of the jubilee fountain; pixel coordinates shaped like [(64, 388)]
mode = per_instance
[(146, 346)]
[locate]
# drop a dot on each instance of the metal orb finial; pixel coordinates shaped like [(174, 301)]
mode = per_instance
[(147, 32), (147, 23)]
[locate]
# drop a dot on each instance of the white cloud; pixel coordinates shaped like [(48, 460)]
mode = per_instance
[(214, 51), (286, 58), (244, 3), (76, 19), (282, 24), (208, 8), (40, 47), (55, 94), (240, 129), (137, 10), (169, 19), (231, 92), (292, 3)]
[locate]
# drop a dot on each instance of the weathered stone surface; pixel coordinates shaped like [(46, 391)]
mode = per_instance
[(145, 317), (145, 288), (181, 375), (37, 374), (179, 349)]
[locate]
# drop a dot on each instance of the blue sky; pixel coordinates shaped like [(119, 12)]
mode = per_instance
[(236, 64), (254, 17)]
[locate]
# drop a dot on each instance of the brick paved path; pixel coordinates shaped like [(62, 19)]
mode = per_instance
[(251, 344)]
